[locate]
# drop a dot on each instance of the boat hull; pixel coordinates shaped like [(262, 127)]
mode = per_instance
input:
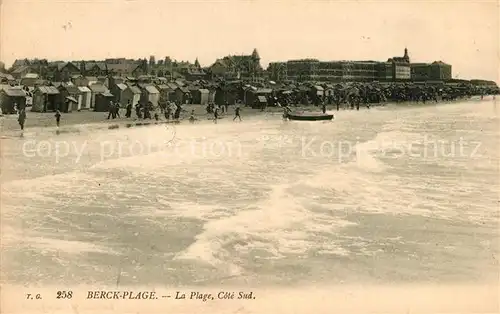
[(310, 116)]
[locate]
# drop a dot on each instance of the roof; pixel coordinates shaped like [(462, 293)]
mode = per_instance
[(151, 89), (265, 90), (31, 76), (98, 88), (72, 99), (134, 89), (21, 69), (107, 94), (162, 86), (91, 78), (121, 86), (72, 89), (183, 89), (122, 68), (204, 90), (14, 92), (7, 76), (317, 87), (262, 98), (84, 89), (51, 90), (172, 85)]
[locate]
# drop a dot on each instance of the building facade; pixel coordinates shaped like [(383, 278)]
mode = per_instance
[(244, 67), (394, 69), (435, 71)]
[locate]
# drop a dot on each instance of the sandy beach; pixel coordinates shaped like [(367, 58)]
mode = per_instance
[(9, 123)]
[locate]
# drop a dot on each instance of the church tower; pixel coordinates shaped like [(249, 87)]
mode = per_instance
[(406, 56), (255, 55), (255, 60)]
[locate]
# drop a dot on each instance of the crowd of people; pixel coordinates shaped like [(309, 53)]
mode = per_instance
[(350, 96), (354, 94)]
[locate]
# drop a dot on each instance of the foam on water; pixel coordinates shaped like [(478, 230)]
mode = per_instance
[(267, 204)]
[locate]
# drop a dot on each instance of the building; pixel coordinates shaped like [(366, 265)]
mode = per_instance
[(394, 69), (86, 96), (200, 96), (98, 89), (123, 67), (243, 67), (62, 71), (10, 98), (401, 70), (132, 94), (149, 93), (277, 71), (21, 71), (70, 92), (440, 71), (102, 101), (435, 71), (6, 78), (92, 68), (29, 79), (45, 98)]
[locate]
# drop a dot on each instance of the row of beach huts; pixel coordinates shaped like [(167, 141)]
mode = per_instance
[(96, 93)]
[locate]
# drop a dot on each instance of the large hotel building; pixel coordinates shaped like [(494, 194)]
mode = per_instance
[(394, 69)]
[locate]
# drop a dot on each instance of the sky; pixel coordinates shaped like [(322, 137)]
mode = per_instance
[(464, 34)]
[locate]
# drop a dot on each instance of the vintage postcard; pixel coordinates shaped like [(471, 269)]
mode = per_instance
[(265, 157)]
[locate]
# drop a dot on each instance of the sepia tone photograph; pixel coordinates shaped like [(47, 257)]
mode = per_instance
[(162, 156)]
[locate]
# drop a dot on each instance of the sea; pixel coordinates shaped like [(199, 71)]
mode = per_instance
[(389, 195)]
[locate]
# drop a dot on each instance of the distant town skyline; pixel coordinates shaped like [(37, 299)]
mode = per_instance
[(459, 33)]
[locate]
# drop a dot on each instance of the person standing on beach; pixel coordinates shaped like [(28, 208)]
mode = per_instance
[(216, 114), (237, 113), (192, 118), (138, 110), (111, 110), (168, 111), (22, 118), (128, 114), (58, 117), (323, 107), (117, 110)]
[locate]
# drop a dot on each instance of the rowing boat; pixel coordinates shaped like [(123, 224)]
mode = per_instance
[(309, 116)]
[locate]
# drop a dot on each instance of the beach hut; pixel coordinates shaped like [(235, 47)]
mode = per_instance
[(45, 98), (132, 94), (96, 89), (10, 97), (86, 97), (182, 95), (79, 80), (200, 96), (252, 95), (70, 97), (150, 94), (102, 101), (259, 102), (117, 90), (164, 93)]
